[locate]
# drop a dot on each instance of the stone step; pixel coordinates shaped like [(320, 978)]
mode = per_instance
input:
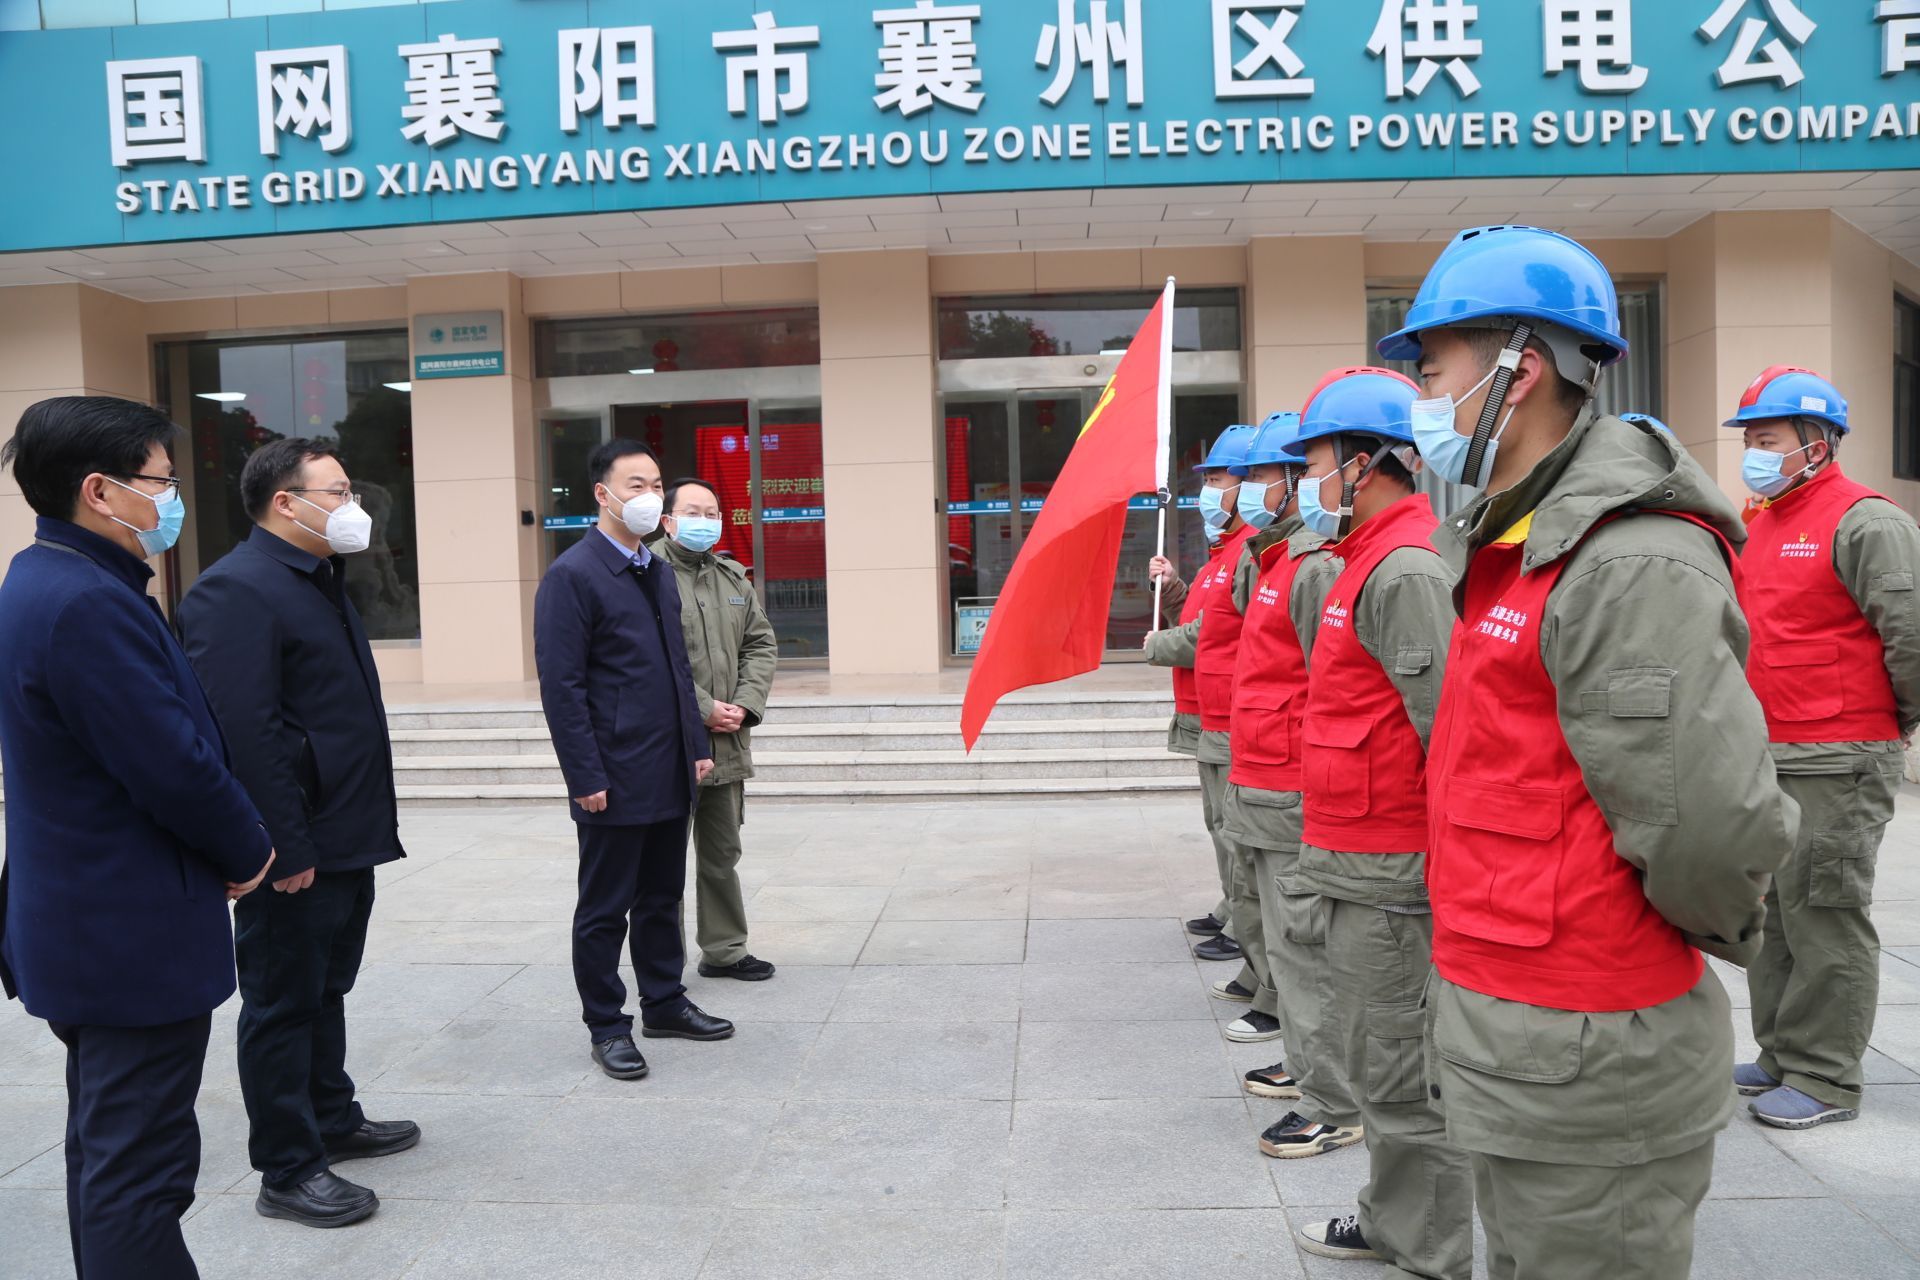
[(829, 766), (910, 735), (1028, 789), (834, 710)]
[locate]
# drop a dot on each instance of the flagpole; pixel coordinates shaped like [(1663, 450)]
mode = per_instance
[(1164, 434)]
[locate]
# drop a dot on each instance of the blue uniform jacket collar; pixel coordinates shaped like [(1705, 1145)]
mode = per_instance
[(286, 553), (611, 554), (109, 555)]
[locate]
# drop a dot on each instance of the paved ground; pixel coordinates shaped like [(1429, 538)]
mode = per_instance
[(987, 1053)]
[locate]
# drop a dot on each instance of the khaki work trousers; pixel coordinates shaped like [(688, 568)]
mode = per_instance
[(1295, 926), (720, 910), (1416, 1210), (1585, 1222), (1816, 981), (1241, 894)]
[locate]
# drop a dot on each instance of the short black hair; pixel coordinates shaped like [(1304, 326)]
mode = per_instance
[(60, 442), (1380, 452), (673, 490), (601, 460), (274, 466), (1487, 344)]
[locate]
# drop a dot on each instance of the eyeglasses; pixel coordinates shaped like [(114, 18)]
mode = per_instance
[(172, 482), (345, 495)]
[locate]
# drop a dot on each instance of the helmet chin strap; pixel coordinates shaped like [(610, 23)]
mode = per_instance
[(1490, 408)]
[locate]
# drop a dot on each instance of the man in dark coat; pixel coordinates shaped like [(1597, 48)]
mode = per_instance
[(620, 705), (126, 833), (287, 667)]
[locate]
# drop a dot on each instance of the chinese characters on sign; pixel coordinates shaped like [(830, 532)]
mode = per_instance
[(593, 107)]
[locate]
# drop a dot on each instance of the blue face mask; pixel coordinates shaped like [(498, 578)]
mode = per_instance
[(1445, 449), (696, 533), (173, 517), (1214, 511), (1315, 516), (1253, 504), (1213, 535), (1762, 471)]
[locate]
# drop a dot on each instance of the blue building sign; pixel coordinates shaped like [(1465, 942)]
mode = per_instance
[(488, 109)]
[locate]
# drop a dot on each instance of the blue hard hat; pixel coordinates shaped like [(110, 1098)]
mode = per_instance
[(1788, 391), (1524, 272), (1269, 446), (1361, 401), (1230, 450), (1647, 418)]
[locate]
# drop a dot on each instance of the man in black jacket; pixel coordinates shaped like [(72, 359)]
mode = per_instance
[(287, 667), (619, 701)]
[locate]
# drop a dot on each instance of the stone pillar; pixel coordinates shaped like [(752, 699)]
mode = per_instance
[(880, 450), (63, 340), (1306, 313), (474, 473)]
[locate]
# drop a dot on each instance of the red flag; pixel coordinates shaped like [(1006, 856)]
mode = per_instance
[(1050, 621)]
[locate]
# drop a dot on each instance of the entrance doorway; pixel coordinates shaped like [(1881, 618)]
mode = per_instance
[(763, 462), (1004, 452)]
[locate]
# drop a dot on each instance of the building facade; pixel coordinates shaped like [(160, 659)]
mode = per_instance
[(866, 270)]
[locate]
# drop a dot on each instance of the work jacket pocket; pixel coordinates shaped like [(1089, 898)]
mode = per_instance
[(1338, 765), (1803, 680), (1842, 871), (1396, 1059), (1494, 869), (1262, 727), (1530, 1043)]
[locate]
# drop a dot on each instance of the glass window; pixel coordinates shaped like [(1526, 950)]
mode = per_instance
[(1630, 386), (350, 391), (1906, 388), (1073, 324), (676, 343)]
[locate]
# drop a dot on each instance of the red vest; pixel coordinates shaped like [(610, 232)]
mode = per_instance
[(1530, 900), (1270, 681), (1364, 765), (1816, 664), (1213, 657)]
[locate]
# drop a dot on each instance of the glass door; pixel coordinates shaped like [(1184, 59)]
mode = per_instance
[(793, 529), (982, 534), (567, 506)]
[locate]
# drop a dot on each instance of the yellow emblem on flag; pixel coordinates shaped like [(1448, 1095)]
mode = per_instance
[(1106, 398)]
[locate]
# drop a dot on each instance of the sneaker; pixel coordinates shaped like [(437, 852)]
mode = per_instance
[(746, 969), (1751, 1081), (1231, 990), (1218, 948), (1207, 926), (1294, 1136), (1337, 1238), (1271, 1082), (1788, 1108), (1253, 1027)]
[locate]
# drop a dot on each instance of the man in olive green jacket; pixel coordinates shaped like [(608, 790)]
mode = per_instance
[(1603, 805), (732, 650)]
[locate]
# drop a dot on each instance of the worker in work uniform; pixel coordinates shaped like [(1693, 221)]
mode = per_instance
[(1829, 567), (1602, 803), (1377, 662), (1281, 589), (732, 652), (1178, 647)]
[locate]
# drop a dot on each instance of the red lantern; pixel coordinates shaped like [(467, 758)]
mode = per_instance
[(665, 356)]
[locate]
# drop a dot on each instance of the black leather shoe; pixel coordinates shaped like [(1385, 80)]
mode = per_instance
[(746, 968), (620, 1059), (373, 1138), (1207, 926), (321, 1201), (690, 1023), (1220, 948)]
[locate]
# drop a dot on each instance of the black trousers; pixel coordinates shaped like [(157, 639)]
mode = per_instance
[(133, 1146), (298, 956), (631, 882)]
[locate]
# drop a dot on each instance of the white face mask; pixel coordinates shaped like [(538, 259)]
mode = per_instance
[(349, 527), (640, 513)]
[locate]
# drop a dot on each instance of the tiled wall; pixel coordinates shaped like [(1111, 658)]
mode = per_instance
[(31, 15)]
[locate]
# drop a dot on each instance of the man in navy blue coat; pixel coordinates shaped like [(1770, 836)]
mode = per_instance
[(288, 669), (126, 833), (620, 706)]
